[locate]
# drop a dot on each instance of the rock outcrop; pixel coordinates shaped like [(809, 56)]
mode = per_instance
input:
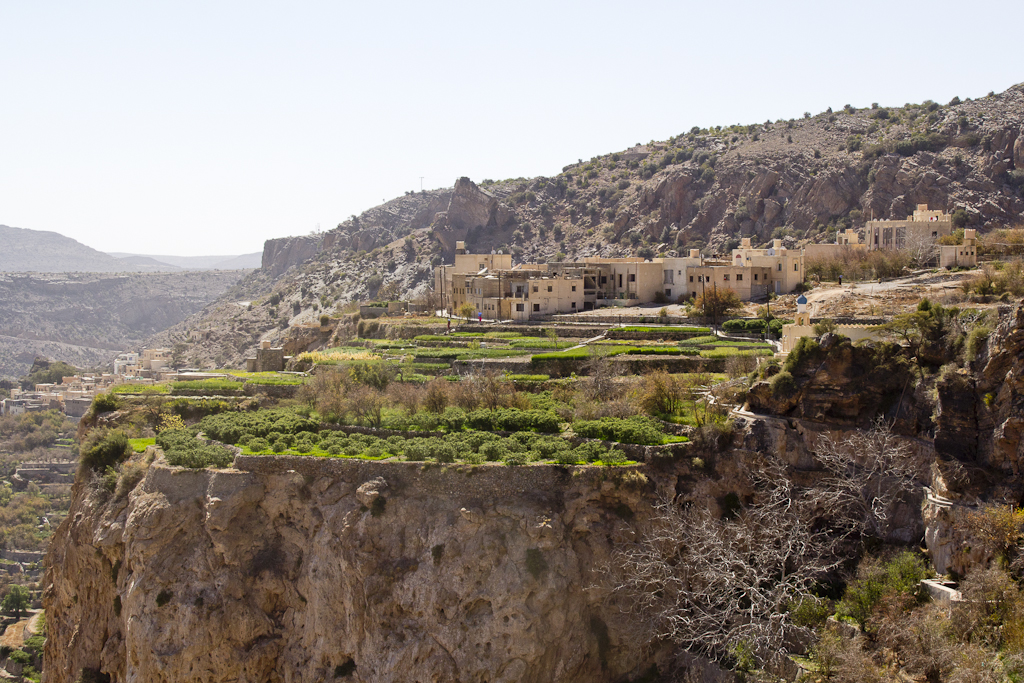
[(305, 569), (281, 254)]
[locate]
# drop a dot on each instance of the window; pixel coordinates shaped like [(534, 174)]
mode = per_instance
[(725, 277), (535, 290), (604, 279), (691, 278), (549, 288), (620, 280), (668, 292), (574, 304), (574, 288), (739, 277), (755, 277), (934, 233), (536, 308), (796, 267), (520, 307), (780, 267), (632, 277), (481, 267)]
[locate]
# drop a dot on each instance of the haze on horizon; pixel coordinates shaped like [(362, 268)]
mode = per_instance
[(195, 129)]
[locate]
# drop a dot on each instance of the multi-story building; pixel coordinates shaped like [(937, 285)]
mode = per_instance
[(785, 266), (918, 231), (497, 290)]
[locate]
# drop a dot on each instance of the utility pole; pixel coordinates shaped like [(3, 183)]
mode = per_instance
[(421, 183), (714, 307)]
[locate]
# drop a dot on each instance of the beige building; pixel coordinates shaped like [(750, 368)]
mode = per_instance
[(918, 231), (802, 327), (960, 255), (496, 290), (786, 266), (847, 242)]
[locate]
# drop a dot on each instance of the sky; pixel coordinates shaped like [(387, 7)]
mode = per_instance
[(196, 128)]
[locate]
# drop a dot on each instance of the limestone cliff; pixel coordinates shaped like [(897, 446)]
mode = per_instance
[(303, 569), (281, 254)]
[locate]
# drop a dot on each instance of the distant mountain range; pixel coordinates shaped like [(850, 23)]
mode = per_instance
[(168, 263), (23, 250)]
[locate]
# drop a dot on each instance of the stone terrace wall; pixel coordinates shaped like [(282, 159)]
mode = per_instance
[(463, 482)]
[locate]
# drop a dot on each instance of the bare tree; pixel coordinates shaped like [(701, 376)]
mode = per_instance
[(868, 474), (713, 585)]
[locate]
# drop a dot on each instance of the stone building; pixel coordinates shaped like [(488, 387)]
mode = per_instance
[(497, 290), (918, 231)]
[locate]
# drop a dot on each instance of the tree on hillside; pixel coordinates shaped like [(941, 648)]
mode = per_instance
[(44, 371), (717, 303), (17, 601), (722, 585)]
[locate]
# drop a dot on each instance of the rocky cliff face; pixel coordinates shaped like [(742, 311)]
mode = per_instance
[(309, 569), (281, 254), (304, 569)]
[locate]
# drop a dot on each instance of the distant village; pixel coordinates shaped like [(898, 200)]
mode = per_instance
[(74, 395), (498, 290)]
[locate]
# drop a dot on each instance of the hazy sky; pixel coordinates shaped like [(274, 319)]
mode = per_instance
[(207, 127)]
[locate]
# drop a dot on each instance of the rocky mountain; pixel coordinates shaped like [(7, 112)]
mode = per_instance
[(174, 263), (800, 180), (41, 251), (86, 319), (50, 252)]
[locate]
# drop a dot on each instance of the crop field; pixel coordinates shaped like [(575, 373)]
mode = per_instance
[(408, 400)]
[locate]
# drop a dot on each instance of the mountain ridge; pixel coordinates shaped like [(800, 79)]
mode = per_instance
[(799, 180)]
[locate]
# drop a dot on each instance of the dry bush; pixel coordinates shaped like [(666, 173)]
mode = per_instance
[(997, 530), (463, 394), (737, 366), (594, 410), (600, 381), (488, 390), (437, 395), (410, 396), (992, 611), (366, 404), (991, 281), (921, 636), (325, 391), (661, 393), (860, 265)]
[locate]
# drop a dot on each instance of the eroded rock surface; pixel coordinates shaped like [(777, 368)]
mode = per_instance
[(305, 568)]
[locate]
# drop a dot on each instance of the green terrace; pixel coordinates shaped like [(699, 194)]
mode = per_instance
[(504, 435)]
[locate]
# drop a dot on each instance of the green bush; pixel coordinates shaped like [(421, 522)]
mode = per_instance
[(105, 448), (182, 449), (638, 429), (453, 419), (104, 403), (782, 385), (875, 581)]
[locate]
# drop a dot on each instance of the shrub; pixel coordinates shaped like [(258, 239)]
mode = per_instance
[(453, 419), (637, 429), (182, 449), (104, 403), (783, 385), (105, 448), (258, 445)]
